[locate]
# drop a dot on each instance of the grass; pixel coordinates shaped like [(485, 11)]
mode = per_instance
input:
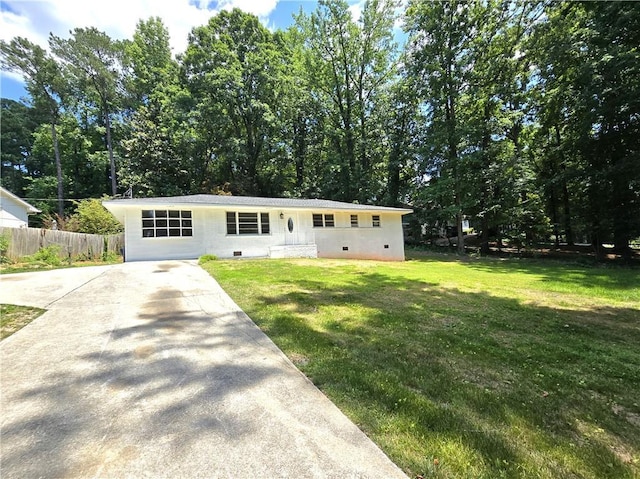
[(22, 266), (13, 318), (464, 369)]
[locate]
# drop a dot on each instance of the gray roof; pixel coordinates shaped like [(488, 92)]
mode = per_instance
[(223, 200)]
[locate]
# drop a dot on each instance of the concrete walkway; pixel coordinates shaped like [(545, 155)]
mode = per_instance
[(150, 370)]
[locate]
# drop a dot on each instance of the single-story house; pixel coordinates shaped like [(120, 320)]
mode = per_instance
[(187, 227), (14, 212)]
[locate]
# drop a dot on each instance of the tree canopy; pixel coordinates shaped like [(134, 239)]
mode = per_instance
[(520, 118)]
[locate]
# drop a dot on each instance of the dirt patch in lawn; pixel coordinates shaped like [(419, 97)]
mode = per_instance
[(13, 318)]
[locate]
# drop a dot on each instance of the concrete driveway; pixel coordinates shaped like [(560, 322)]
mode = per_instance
[(150, 370)]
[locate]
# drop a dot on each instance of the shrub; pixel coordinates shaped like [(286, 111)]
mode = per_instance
[(5, 241), (92, 217), (110, 257), (48, 255), (206, 258)]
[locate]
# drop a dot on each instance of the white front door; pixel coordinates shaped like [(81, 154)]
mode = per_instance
[(291, 228)]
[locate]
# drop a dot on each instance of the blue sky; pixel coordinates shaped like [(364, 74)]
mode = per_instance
[(35, 19)]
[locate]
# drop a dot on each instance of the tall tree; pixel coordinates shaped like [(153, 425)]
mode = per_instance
[(147, 61), (468, 58), (233, 70), (45, 84), (588, 111), (350, 65), (403, 127), (16, 141), (153, 163), (439, 47), (613, 92), (94, 60)]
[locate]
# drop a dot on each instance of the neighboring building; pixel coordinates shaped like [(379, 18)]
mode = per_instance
[(186, 227), (14, 212)]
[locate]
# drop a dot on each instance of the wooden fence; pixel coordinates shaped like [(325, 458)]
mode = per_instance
[(27, 241)]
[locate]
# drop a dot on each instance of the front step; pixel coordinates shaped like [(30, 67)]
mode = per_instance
[(294, 251)]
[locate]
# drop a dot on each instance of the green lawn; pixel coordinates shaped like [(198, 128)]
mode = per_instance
[(14, 318), (464, 369)]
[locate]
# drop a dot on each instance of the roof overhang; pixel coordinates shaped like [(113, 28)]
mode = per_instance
[(30, 208), (119, 206)]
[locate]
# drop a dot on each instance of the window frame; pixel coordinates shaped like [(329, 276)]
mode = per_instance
[(354, 221), (375, 221), (328, 220), (248, 223), (166, 223)]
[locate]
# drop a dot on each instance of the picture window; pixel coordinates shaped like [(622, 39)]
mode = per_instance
[(166, 223)]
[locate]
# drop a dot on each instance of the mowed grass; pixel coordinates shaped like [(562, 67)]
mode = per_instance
[(14, 318), (464, 369)]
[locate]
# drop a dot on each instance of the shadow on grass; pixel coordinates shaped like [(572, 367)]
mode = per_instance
[(527, 391)]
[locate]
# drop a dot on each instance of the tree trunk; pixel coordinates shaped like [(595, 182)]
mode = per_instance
[(621, 238), (568, 230), (484, 236), (56, 152), (300, 147), (112, 161), (554, 216), (459, 218), (565, 194)]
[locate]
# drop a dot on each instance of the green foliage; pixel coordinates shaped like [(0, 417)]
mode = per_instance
[(92, 61), (522, 117), (47, 86), (18, 124), (234, 70), (349, 67), (111, 257), (497, 369), (5, 242), (206, 258), (92, 217), (48, 255)]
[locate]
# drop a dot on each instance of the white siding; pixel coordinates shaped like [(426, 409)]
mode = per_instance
[(210, 235), (12, 214), (138, 248), (365, 241)]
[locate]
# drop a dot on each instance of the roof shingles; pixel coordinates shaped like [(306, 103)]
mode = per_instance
[(223, 200)]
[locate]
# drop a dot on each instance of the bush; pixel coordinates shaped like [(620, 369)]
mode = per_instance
[(206, 258), (48, 255), (5, 241), (92, 217), (110, 257)]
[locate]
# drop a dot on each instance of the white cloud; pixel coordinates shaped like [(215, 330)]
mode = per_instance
[(118, 18), (356, 10), (260, 8)]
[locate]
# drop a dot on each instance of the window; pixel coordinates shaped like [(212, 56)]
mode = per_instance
[(323, 220), (166, 223), (328, 221), (264, 222), (354, 221), (375, 221), (231, 223), (247, 223)]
